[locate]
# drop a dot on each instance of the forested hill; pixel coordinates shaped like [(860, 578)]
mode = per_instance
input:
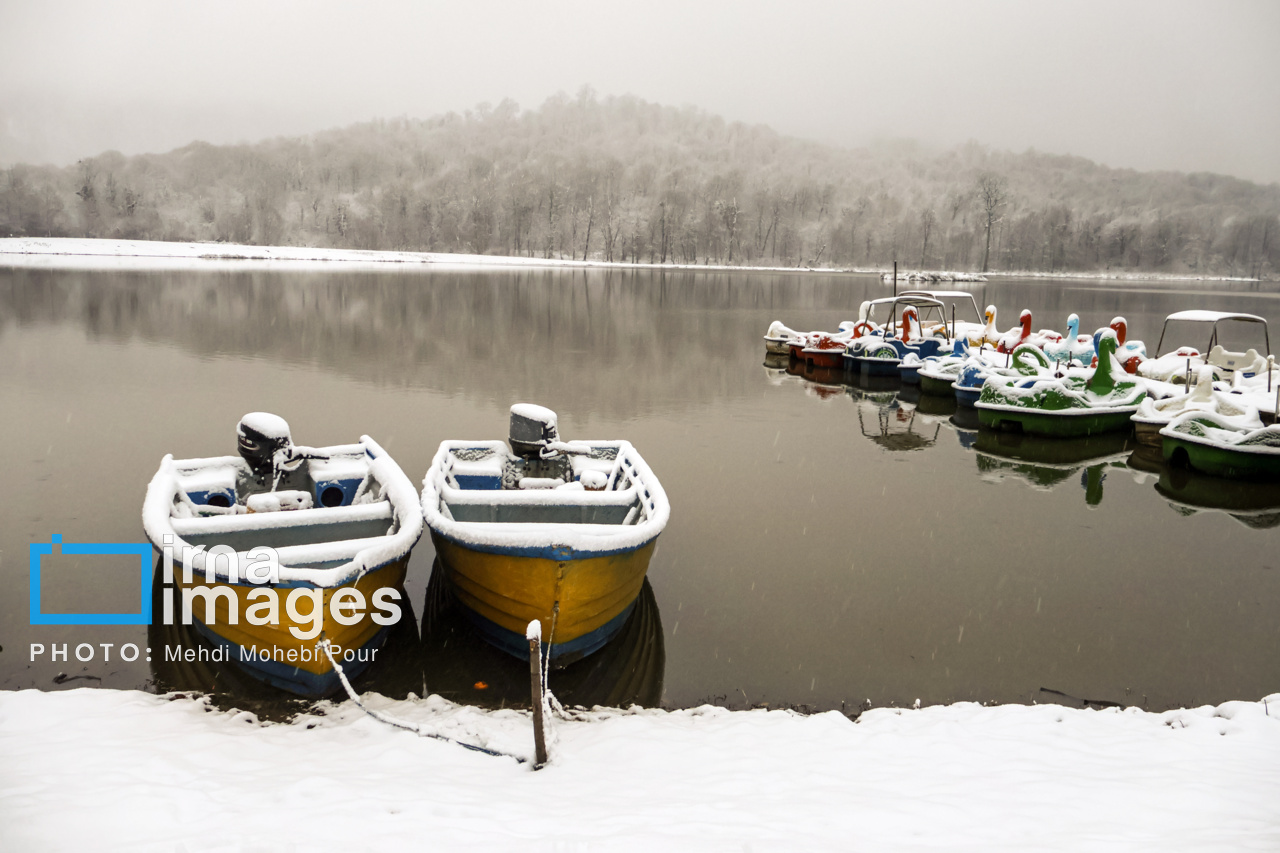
[(624, 180)]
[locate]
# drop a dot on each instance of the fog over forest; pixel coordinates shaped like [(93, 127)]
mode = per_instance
[(1086, 135), (620, 179)]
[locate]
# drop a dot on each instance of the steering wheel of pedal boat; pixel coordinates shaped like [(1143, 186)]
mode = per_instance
[(863, 328)]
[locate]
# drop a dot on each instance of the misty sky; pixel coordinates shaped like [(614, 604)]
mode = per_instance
[(1161, 84)]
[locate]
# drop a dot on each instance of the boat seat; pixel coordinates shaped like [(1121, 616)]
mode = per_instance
[(550, 506), (1248, 361), (287, 529)]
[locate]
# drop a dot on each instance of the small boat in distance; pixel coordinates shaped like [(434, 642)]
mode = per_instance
[(341, 522), (561, 532)]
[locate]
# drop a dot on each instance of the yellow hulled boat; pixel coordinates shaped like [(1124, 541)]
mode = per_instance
[(268, 553), (560, 532)]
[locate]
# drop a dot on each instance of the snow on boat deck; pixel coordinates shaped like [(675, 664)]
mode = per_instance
[(106, 769)]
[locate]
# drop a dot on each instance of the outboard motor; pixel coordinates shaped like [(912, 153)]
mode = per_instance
[(260, 435), (538, 459), (533, 429), (260, 438)]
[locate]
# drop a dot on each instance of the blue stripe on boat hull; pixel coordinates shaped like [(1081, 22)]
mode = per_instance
[(561, 653)]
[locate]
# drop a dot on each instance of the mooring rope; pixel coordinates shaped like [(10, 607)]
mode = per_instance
[(551, 703), (403, 724)]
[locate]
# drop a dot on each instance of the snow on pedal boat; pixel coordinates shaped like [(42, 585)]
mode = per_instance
[(1079, 403), (560, 532), (341, 522), (1183, 363), (1154, 415), (1209, 443)]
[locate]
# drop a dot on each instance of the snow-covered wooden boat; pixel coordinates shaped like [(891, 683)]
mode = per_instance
[(1070, 406), (1208, 443), (560, 532), (341, 522)]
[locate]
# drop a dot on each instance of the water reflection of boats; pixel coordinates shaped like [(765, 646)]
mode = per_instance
[(461, 667), (825, 383), (1253, 504), (932, 404), (965, 418), (897, 428), (773, 361), (183, 660), (886, 387), (1044, 463)]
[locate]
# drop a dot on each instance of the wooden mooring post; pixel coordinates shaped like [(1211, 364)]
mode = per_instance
[(538, 690)]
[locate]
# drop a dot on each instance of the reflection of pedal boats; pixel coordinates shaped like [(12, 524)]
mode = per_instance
[(774, 362), (183, 659), (560, 532), (825, 383), (932, 404), (461, 667), (1045, 462), (1253, 504), (896, 428), (342, 532)]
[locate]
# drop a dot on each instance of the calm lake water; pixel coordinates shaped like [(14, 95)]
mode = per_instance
[(829, 545)]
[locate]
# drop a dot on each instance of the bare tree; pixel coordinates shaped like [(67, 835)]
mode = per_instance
[(993, 194), (927, 220)]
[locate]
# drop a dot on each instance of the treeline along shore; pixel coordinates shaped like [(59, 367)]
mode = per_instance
[(622, 180)]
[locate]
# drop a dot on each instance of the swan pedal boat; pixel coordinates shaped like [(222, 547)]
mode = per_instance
[(1065, 407), (346, 525), (569, 551), (1210, 444), (882, 356)]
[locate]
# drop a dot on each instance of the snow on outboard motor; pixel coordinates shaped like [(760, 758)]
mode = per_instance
[(539, 455), (275, 464)]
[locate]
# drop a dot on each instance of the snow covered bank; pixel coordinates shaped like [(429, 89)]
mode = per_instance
[(89, 253), (103, 769)]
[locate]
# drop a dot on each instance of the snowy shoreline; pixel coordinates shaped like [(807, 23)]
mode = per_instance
[(92, 253), (104, 769)]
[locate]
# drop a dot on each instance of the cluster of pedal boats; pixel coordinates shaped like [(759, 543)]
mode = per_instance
[(274, 550), (1212, 409)]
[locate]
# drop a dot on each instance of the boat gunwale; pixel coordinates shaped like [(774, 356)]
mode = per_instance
[(540, 538), (157, 522)]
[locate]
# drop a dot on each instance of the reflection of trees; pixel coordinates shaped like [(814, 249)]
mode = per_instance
[(621, 339)]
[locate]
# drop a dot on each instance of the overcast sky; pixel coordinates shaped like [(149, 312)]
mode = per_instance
[(1147, 84)]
